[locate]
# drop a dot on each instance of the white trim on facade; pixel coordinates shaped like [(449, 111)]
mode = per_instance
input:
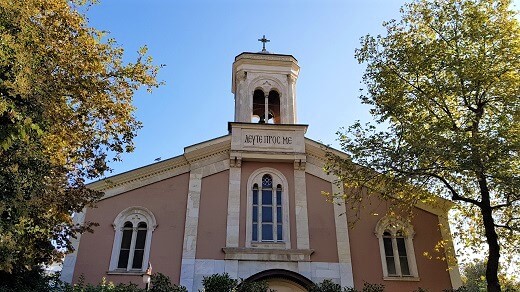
[(69, 263), (233, 214)]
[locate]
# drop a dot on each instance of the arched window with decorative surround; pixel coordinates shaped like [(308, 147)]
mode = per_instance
[(396, 248), (132, 240), (267, 216)]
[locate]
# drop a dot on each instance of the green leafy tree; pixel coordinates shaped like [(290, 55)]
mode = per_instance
[(443, 86), (224, 283), (162, 283), (474, 278), (65, 112), (219, 283), (327, 286)]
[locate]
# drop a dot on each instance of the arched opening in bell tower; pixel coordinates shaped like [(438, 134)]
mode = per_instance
[(258, 106), (266, 108), (274, 107)]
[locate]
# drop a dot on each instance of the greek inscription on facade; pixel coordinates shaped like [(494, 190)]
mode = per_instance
[(267, 139)]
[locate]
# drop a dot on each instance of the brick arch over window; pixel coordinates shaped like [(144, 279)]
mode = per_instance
[(132, 240), (396, 248), (279, 185)]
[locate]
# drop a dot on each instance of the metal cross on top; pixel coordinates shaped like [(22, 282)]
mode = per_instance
[(263, 40)]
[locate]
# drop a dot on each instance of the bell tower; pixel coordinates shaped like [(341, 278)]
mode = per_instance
[(264, 86)]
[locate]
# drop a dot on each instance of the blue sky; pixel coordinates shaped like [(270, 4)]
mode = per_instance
[(198, 40)]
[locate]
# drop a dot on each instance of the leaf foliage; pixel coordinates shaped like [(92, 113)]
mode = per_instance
[(65, 112), (444, 89)]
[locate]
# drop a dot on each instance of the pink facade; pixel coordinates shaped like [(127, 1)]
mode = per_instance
[(212, 221), (167, 200)]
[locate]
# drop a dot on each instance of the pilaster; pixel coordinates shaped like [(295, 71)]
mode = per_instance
[(302, 221), (190, 228), (233, 214), (345, 260)]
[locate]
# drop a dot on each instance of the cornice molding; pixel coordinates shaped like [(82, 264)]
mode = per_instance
[(269, 57), (139, 174), (267, 254), (195, 156)]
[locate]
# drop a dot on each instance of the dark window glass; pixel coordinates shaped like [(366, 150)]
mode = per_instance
[(280, 232), (126, 241), (255, 194), (389, 251), (267, 181), (403, 258), (279, 195), (267, 232), (279, 214), (123, 259), (267, 197), (141, 238), (405, 270), (138, 259), (401, 247), (255, 213), (267, 214), (127, 236), (390, 265), (139, 246), (255, 232)]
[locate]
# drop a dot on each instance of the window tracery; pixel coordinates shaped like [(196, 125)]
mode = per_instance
[(396, 248), (133, 236), (267, 216)]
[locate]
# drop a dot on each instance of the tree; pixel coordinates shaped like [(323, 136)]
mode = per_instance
[(474, 278), (65, 112), (224, 283), (443, 86)]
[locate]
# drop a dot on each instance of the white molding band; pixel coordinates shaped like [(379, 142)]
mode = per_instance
[(233, 213), (342, 238), (69, 263), (189, 245), (302, 219), (453, 266)]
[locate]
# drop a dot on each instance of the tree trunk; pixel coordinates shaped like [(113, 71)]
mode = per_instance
[(491, 238), (494, 250)]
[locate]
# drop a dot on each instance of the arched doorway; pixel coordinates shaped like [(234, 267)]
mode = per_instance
[(283, 280)]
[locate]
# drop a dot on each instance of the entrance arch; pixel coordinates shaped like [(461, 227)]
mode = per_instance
[(283, 280)]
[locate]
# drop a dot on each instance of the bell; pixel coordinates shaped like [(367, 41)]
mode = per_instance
[(262, 118)]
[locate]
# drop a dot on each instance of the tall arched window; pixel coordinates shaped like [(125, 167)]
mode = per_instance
[(396, 248), (133, 236), (268, 209)]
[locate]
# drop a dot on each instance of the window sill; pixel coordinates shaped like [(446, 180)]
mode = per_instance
[(267, 254), (403, 278), (269, 245), (125, 273)]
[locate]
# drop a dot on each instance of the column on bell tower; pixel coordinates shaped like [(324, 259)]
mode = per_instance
[(264, 87)]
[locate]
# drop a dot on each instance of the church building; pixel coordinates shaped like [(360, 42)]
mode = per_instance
[(250, 204)]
